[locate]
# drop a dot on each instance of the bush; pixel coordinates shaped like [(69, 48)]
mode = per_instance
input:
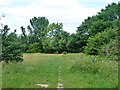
[(11, 48), (64, 52), (110, 50), (56, 52), (94, 43), (34, 48), (86, 65), (104, 67)]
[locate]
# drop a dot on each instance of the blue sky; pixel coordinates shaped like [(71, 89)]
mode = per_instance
[(70, 12)]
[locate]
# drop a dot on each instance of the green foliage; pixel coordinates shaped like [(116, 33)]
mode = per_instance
[(59, 39), (74, 43), (56, 52), (11, 47), (91, 35), (105, 19), (94, 43), (109, 13), (51, 37), (55, 39), (103, 71), (34, 48), (24, 40), (110, 50), (101, 25), (37, 32), (103, 67), (64, 52), (39, 29)]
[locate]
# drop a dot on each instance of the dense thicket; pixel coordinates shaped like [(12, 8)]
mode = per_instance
[(11, 46), (95, 42), (107, 18)]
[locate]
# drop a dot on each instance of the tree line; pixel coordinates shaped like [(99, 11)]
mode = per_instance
[(97, 35)]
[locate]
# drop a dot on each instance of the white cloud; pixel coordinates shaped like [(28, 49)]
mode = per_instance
[(108, 1), (69, 12), (4, 3)]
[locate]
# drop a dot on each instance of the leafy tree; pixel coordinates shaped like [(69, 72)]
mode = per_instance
[(38, 30), (63, 41), (76, 42), (11, 47), (109, 13), (95, 42), (100, 26), (34, 48), (39, 24), (118, 31), (31, 36), (71, 44), (0, 46), (46, 41), (24, 39), (107, 18), (56, 39)]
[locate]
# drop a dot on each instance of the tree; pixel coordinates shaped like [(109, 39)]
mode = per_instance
[(38, 30), (60, 38), (109, 49), (24, 39), (34, 48), (31, 36), (55, 39), (107, 18), (11, 47), (95, 42), (63, 41), (39, 24), (71, 44)]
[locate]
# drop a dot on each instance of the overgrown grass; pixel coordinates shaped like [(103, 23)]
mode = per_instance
[(88, 73), (78, 71), (0, 75), (35, 69)]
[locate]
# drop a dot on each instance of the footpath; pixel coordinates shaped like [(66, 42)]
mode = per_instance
[(60, 84)]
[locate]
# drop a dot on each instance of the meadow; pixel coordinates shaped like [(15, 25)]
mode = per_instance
[(77, 71)]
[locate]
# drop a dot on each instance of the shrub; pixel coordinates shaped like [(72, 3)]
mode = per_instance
[(85, 65), (104, 67), (34, 48), (56, 52), (94, 43), (64, 52), (110, 50), (11, 48)]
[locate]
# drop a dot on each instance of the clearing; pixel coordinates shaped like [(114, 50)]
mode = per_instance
[(76, 71)]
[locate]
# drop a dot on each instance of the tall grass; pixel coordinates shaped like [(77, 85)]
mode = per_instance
[(0, 75), (78, 71), (94, 71), (36, 69)]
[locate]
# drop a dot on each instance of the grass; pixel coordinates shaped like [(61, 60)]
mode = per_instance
[(0, 76), (84, 73), (78, 71)]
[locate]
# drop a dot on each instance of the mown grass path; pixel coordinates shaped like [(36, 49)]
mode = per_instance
[(57, 70), (60, 84)]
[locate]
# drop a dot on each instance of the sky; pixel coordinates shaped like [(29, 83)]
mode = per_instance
[(69, 12)]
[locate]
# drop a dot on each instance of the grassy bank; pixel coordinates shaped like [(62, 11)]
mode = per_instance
[(78, 71)]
